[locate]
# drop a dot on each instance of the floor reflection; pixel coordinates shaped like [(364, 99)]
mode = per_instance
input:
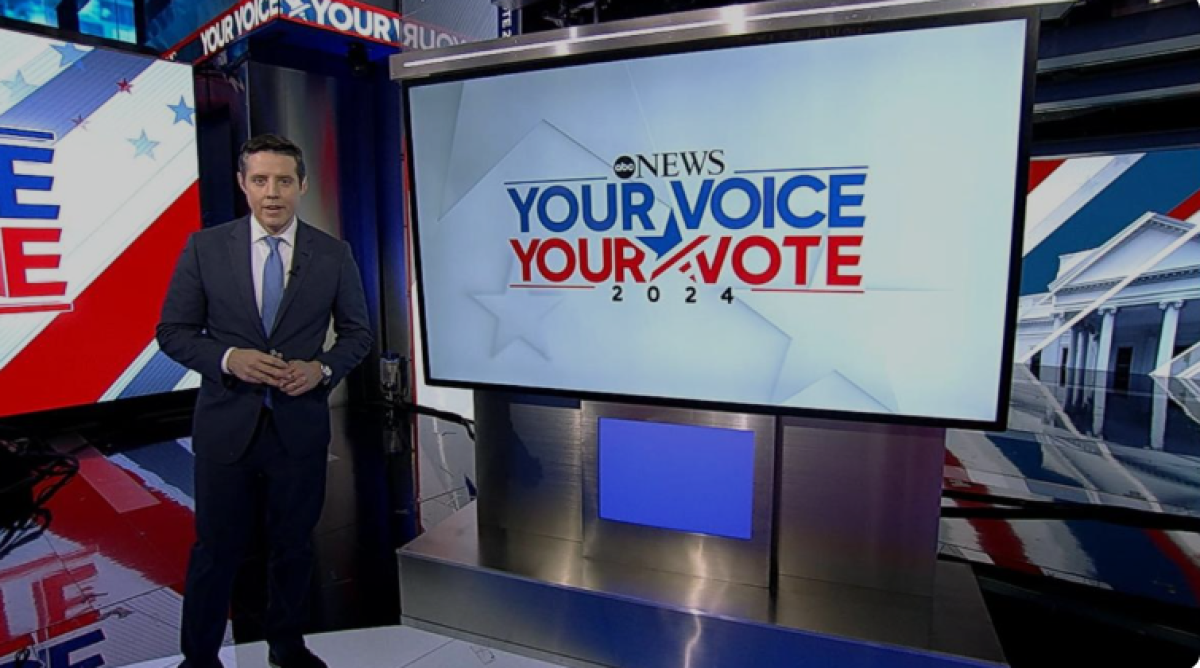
[(98, 570), (1153, 413), (1084, 443)]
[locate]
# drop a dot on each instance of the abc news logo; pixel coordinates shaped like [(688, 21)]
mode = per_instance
[(671, 165)]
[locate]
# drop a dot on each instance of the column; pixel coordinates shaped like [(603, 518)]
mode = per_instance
[(1080, 356), (1052, 359), (1073, 338), (1158, 415), (1075, 371), (1098, 408), (1048, 373), (1104, 346), (1092, 349), (1166, 342)]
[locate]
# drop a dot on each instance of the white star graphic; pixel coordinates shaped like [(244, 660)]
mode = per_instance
[(296, 7), (828, 354), (519, 314)]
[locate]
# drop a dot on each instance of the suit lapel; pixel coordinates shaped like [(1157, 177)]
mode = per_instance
[(302, 260), (239, 260)]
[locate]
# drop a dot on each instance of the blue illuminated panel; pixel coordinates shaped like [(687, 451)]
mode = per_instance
[(109, 18), (41, 12), (104, 18), (681, 477)]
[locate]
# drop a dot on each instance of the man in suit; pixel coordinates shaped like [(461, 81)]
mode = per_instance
[(249, 308)]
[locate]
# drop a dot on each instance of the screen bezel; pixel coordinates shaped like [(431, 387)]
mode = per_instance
[(1000, 416)]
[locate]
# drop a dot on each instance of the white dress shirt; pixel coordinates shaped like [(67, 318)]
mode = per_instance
[(260, 250)]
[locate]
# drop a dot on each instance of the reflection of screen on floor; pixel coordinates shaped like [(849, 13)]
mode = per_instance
[(98, 192), (771, 247)]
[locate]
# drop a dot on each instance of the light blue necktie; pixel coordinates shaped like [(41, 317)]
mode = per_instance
[(272, 292), (272, 285)]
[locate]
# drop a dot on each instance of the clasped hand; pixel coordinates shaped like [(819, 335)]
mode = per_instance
[(258, 368)]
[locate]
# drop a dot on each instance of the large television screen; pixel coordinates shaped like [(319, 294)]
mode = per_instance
[(807, 225), (98, 193)]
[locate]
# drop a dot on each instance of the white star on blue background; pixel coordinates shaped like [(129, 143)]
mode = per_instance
[(183, 113), (144, 146), (69, 54), (18, 87), (297, 8)]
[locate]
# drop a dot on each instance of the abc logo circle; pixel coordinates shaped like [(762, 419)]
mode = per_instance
[(624, 167)]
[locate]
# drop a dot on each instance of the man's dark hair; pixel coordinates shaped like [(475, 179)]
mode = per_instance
[(272, 144)]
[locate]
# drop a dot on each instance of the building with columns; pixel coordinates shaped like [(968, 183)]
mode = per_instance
[(1149, 326)]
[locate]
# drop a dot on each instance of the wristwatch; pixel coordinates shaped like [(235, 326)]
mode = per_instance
[(326, 374)]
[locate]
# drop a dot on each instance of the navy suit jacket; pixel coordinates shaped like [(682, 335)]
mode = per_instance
[(211, 307)]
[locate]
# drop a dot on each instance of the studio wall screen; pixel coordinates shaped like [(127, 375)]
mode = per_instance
[(805, 225), (98, 194)]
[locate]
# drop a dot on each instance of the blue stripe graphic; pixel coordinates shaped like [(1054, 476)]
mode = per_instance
[(77, 91), (161, 374), (18, 133)]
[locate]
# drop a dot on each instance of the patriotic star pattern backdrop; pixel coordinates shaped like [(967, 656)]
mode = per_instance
[(119, 131)]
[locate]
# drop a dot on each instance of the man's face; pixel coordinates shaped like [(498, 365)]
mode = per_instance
[(272, 187)]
